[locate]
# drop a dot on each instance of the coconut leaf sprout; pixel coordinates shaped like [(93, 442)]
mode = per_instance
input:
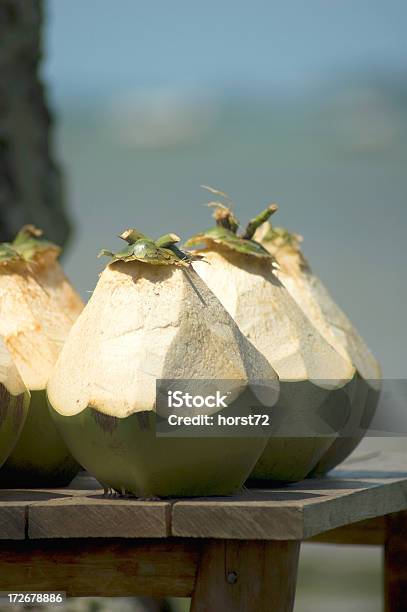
[(226, 231), (279, 236), (162, 251), (27, 244)]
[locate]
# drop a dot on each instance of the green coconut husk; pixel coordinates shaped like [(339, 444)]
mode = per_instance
[(40, 457), (363, 411), (14, 402), (295, 272), (37, 310), (239, 265), (147, 313), (127, 456), (289, 459), (13, 413)]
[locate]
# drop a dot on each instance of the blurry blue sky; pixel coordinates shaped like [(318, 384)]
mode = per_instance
[(100, 46)]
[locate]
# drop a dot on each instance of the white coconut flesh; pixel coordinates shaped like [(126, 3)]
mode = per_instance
[(142, 323), (37, 309), (312, 296)]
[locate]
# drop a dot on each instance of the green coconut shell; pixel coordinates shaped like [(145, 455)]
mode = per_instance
[(312, 296), (363, 412), (242, 274), (40, 458), (13, 413), (126, 455), (290, 459)]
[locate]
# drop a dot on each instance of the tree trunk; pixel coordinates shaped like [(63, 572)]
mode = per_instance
[(30, 180)]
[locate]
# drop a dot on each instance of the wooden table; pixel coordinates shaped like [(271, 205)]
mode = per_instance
[(236, 553)]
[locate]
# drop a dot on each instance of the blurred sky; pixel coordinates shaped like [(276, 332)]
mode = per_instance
[(303, 103), (99, 46)]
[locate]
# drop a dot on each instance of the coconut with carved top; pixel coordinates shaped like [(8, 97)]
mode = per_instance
[(37, 308), (311, 295), (152, 318), (14, 402), (317, 383)]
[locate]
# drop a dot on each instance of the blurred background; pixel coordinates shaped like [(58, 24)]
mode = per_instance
[(302, 103)]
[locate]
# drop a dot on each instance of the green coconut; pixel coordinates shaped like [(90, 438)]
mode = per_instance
[(317, 383), (311, 295), (40, 458), (152, 318), (37, 308), (14, 402)]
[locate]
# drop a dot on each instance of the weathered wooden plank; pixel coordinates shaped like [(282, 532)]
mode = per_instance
[(246, 576), (91, 517), (14, 510), (106, 568), (373, 487), (234, 520), (357, 505), (12, 521), (296, 512), (14, 504)]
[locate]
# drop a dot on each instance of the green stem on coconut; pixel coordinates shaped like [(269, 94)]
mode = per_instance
[(261, 218), (167, 240), (131, 235)]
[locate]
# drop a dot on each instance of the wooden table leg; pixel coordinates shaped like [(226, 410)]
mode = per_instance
[(395, 563), (246, 576)]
